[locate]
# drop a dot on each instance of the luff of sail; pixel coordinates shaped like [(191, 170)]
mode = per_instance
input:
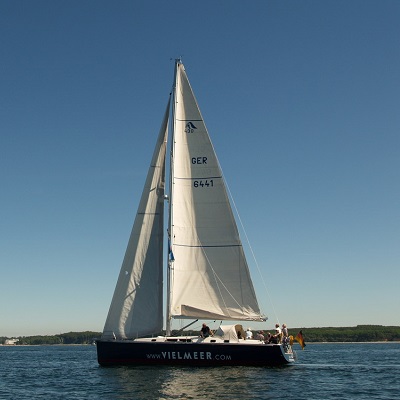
[(137, 307), (210, 275)]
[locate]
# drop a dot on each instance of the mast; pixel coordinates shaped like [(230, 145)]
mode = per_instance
[(170, 227)]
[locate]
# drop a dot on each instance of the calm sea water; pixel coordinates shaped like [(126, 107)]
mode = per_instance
[(323, 371)]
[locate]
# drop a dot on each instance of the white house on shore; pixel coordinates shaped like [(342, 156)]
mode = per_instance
[(11, 342)]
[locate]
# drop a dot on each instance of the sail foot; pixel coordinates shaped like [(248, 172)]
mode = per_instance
[(226, 315)]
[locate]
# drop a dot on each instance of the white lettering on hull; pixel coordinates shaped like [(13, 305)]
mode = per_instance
[(188, 355)]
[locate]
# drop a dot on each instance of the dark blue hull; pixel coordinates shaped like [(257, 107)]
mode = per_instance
[(188, 353)]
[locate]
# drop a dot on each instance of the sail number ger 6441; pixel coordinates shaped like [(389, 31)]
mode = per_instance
[(205, 183)]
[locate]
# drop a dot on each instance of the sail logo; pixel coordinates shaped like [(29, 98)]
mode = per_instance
[(189, 128)]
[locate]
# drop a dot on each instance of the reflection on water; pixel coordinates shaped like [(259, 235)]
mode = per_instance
[(207, 382), (181, 382)]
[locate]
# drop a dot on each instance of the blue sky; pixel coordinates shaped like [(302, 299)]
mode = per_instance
[(301, 99)]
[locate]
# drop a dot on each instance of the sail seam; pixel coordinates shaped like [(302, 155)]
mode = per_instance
[(144, 213), (204, 247), (202, 177)]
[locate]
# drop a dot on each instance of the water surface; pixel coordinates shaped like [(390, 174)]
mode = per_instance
[(323, 371)]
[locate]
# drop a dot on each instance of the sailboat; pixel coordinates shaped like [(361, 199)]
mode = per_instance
[(207, 273)]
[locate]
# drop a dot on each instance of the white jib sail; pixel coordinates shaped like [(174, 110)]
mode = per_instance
[(210, 275), (137, 307)]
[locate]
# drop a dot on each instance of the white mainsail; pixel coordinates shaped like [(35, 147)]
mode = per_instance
[(209, 275), (137, 307)]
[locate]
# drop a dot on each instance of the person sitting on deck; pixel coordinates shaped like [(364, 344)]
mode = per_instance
[(260, 336), (249, 334), (205, 331)]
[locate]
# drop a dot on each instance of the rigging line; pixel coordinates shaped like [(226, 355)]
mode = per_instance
[(248, 242)]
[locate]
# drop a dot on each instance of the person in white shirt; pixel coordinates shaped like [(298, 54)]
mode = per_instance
[(278, 335), (249, 334)]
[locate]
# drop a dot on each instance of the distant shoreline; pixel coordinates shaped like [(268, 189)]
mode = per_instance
[(355, 334), (88, 344)]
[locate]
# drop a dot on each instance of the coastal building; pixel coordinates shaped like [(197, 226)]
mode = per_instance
[(11, 342)]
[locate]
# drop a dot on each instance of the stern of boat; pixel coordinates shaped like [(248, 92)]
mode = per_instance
[(288, 353)]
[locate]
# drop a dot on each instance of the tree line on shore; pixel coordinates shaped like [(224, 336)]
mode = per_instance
[(359, 333), (86, 337)]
